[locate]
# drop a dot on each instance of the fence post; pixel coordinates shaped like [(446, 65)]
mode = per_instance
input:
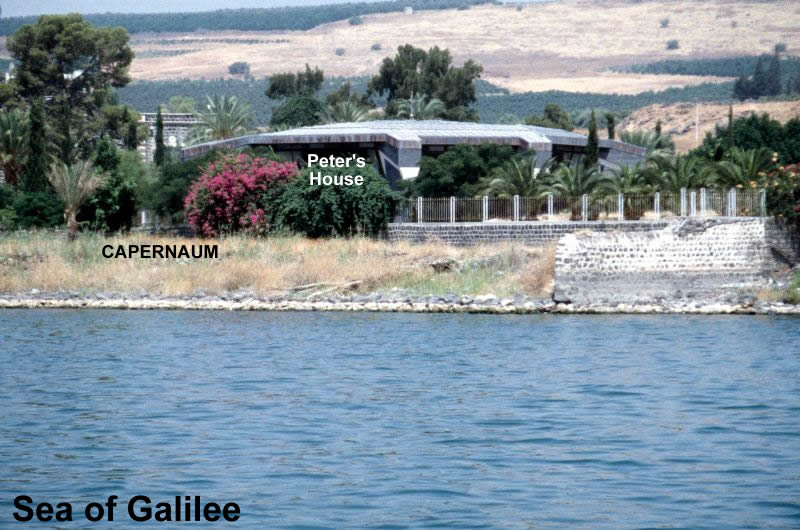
[(452, 209), (683, 202), (419, 209), (702, 202), (550, 207), (585, 207), (621, 207), (734, 203), (657, 205), (763, 203), (516, 207), (693, 204), (485, 208)]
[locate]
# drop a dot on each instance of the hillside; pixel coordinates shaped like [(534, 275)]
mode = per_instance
[(568, 44), (678, 120)]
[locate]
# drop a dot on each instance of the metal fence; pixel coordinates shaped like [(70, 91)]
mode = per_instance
[(622, 207)]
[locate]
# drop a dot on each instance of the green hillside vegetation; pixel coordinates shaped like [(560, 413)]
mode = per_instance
[(725, 67), (494, 103), (262, 19), (146, 96), (493, 109)]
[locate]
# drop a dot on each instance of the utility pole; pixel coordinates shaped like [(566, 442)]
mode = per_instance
[(697, 122)]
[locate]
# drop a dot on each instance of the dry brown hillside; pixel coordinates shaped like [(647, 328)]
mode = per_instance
[(565, 44), (678, 120)]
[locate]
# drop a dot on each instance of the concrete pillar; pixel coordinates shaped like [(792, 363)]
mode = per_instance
[(702, 202), (657, 205), (621, 207), (516, 207), (585, 207), (419, 209), (485, 208), (550, 207), (693, 204), (683, 202), (452, 209)]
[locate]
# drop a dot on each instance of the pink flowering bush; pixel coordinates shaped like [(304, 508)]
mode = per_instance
[(236, 193)]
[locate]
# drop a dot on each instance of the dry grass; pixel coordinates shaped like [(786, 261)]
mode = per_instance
[(47, 262), (569, 44)]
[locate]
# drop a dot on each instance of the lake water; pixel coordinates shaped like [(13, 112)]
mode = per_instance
[(404, 420)]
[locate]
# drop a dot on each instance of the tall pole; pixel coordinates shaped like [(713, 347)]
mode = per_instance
[(697, 123)]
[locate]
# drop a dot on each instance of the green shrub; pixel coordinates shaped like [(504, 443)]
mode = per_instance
[(298, 111), (167, 194), (673, 44), (664, 22), (340, 51), (38, 209), (376, 47), (324, 211), (355, 20), (112, 207)]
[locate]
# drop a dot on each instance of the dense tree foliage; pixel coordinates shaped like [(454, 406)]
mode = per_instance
[(298, 111), (493, 107), (324, 211), (73, 67), (754, 132), (724, 67), (165, 196), (763, 82), (553, 116), (302, 83), (261, 19), (414, 72), (458, 171), (113, 205)]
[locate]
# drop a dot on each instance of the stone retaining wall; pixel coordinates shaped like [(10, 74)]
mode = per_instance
[(692, 258), (532, 232)]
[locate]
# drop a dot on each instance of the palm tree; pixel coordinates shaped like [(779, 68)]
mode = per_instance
[(572, 180), (518, 176), (13, 144), (744, 168), (420, 108), (345, 111), (627, 180), (225, 117), (74, 184), (653, 142), (671, 173)]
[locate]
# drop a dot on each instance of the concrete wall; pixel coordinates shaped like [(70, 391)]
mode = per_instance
[(535, 232), (692, 258)]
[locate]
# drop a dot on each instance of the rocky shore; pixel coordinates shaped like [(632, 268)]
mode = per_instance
[(392, 301)]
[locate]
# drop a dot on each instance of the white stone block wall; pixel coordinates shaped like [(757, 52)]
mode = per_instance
[(691, 258)]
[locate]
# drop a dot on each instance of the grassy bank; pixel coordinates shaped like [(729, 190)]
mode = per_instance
[(46, 261)]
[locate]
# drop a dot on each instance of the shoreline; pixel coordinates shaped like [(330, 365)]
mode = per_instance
[(487, 304)]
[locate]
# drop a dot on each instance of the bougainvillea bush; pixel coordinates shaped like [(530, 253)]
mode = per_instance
[(236, 194)]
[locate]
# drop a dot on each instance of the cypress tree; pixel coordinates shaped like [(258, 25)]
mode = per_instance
[(773, 77), (158, 158), (592, 154), (611, 124), (729, 135), (759, 86), (131, 139), (35, 176)]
